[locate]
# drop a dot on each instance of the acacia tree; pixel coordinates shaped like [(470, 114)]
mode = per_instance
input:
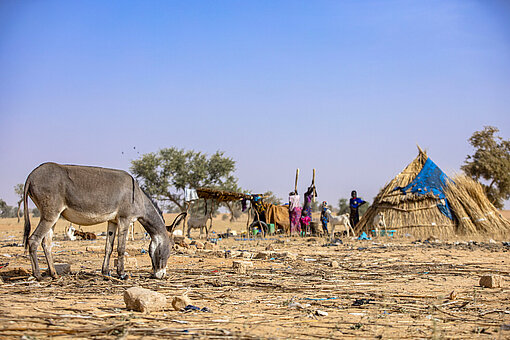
[(18, 189), (490, 162), (166, 173)]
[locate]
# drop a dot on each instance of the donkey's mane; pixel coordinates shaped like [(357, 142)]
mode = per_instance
[(153, 202)]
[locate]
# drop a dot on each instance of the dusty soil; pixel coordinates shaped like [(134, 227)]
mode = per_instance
[(406, 285)]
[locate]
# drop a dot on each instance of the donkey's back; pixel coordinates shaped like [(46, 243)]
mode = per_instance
[(84, 195)]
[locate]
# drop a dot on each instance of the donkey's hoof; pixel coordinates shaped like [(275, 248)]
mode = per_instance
[(124, 276)]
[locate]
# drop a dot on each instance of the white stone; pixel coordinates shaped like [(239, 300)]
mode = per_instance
[(144, 300)]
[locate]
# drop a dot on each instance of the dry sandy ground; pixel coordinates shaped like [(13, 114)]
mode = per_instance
[(407, 285)]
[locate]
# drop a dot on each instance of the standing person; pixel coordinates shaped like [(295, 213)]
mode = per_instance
[(294, 213), (324, 217), (355, 202), (306, 213)]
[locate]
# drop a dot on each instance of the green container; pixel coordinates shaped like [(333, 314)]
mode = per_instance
[(255, 231), (271, 228)]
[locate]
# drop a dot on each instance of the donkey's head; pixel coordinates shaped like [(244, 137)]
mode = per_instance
[(159, 251)]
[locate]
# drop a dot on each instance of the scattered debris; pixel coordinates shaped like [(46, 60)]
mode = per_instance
[(452, 295), (334, 264), (144, 300)]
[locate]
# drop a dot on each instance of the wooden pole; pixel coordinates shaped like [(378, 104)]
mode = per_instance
[(313, 184), (297, 176)]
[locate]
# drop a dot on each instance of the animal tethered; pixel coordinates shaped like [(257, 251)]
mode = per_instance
[(341, 220), (87, 195), (379, 222), (85, 235)]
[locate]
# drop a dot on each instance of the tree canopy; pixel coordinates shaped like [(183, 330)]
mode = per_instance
[(165, 174), (490, 162)]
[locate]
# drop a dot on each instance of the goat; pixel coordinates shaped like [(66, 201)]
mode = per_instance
[(379, 222), (339, 220)]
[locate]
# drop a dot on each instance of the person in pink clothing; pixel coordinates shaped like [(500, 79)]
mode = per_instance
[(294, 213)]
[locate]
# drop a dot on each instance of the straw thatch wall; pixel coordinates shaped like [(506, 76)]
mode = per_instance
[(419, 215), (474, 213), (411, 213)]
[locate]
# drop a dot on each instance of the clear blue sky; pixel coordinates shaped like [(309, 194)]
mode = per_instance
[(346, 87)]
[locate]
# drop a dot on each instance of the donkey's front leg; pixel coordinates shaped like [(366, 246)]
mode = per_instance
[(110, 238), (121, 247)]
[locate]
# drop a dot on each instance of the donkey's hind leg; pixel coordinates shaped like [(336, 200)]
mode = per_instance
[(47, 245), (42, 230)]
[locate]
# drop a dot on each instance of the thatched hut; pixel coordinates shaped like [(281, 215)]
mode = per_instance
[(423, 201)]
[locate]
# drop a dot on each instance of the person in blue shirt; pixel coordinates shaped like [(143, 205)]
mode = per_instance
[(324, 217), (355, 202)]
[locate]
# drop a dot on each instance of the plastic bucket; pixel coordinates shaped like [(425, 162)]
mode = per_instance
[(271, 228)]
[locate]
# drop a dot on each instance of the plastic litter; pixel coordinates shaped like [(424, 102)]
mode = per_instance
[(192, 308), (321, 313), (364, 236), (361, 302), (320, 299)]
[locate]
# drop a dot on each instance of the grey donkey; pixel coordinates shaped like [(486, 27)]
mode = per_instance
[(88, 195)]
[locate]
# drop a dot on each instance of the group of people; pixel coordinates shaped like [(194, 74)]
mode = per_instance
[(354, 203), (300, 217)]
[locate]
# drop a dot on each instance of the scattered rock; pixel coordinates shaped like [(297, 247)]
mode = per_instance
[(491, 281), (210, 246), (246, 255), (180, 302), (241, 267), (232, 254), (334, 264), (492, 241), (144, 300), (453, 295), (63, 268), (197, 244), (264, 255), (270, 247), (210, 253)]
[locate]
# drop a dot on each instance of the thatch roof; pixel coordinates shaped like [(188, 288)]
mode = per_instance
[(220, 195), (409, 208)]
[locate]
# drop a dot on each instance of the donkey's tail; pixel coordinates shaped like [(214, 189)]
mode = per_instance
[(176, 221), (26, 215)]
